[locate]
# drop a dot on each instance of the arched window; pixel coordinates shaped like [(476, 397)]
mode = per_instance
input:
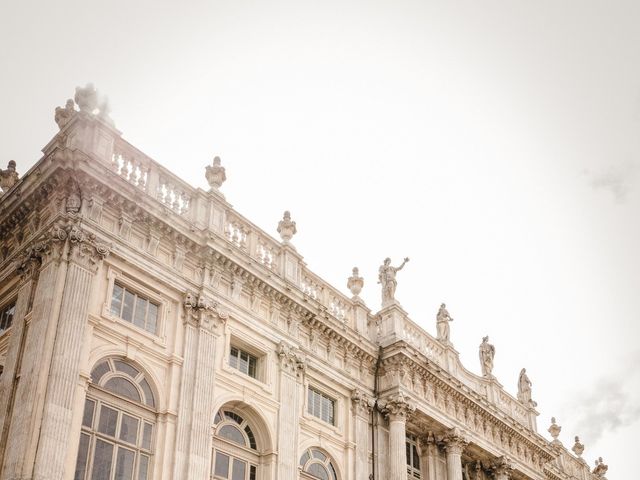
[(235, 451), (116, 442), (316, 464)]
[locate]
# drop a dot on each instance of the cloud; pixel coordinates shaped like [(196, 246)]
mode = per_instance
[(617, 178)]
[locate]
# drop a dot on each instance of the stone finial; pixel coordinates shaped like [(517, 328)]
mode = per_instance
[(486, 353), (578, 448), (64, 115), (387, 278), (87, 98), (287, 227), (442, 324), (355, 283), (554, 430), (8, 177), (216, 175)]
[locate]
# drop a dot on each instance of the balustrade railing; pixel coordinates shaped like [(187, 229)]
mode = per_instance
[(425, 343)]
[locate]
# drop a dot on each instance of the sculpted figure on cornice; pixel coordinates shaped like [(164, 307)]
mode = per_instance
[(216, 174), (64, 115), (387, 278), (487, 352), (524, 389), (8, 177), (600, 469), (355, 283), (443, 318), (204, 313), (87, 98)]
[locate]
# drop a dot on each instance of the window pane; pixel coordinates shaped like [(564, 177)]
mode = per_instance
[(252, 472), (152, 318), (319, 455), (416, 458), (122, 386), (124, 464), (239, 469), (232, 433), (108, 421), (148, 394), (222, 465), (252, 367), (102, 461), (233, 358), (127, 308), (304, 458), (87, 416), (99, 371), (243, 364), (126, 368), (129, 429), (143, 468), (116, 300), (140, 312), (146, 436), (318, 471), (81, 462)]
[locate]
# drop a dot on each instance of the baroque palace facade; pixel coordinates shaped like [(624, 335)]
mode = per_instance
[(150, 331)]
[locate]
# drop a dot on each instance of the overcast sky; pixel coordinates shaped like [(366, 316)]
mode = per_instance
[(495, 143)]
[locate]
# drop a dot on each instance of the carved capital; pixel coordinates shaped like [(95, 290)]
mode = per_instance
[(455, 441), (362, 403), (85, 249), (502, 468), (28, 265), (291, 360), (203, 313), (398, 407)]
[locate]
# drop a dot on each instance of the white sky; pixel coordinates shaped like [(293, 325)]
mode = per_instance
[(495, 143)]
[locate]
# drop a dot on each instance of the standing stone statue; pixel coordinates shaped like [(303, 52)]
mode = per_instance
[(216, 174), (8, 177), (86, 98), (287, 227), (443, 318), (63, 115), (524, 389), (487, 352), (355, 283), (387, 277)]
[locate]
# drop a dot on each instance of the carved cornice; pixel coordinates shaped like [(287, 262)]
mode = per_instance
[(203, 313), (291, 360)]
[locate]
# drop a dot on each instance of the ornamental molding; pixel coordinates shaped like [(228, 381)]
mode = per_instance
[(201, 312)]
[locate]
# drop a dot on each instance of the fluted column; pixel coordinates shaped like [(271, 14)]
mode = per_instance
[(203, 323), (454, 444), (292, 368), (502, 468), (362, 407), (397, 408), (85, 256)]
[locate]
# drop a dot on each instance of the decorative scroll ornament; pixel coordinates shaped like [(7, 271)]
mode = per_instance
[(291, 359), (203, 313), (355, 283), (216, 175), (397, 406), (8, 177), (287, 227)]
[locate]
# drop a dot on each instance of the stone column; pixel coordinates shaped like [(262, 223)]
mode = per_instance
[(454, 444), (203, 323), (27, 268), (428, 457), (362, 407), (502, 468), (397, 408), (292, 368), (85, 256)]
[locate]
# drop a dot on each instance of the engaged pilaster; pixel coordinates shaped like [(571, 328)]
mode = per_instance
[(454, 443), (397, 408), (362, 408)]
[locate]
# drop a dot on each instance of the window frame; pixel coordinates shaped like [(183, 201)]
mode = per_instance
[(224, 446), (11, 304), (411, 447), (250, 357), (323, 396)]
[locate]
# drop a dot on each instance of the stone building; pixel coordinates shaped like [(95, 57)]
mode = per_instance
[(150, 331)]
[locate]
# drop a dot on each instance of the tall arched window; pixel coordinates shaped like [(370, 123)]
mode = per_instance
[(235, 451), (316, 464), (116, 442)]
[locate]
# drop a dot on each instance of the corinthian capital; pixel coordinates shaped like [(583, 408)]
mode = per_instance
[(204, 313), (502, 468), (85, 249), (362, 403), (455, 441), (291, 360), (398, 407)]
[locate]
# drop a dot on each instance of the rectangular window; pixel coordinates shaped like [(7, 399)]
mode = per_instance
[(6, 316), (134, 308), (321, 405), (243, 361)]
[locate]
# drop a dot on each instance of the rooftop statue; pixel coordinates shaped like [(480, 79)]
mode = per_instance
[(443, 318), (487, 352), (578, 448), (216, 174), (387, 277), (524, 389), (64, 115), (600, 469), (87, 98), (287, 227), (355, 282), (8, 177)]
